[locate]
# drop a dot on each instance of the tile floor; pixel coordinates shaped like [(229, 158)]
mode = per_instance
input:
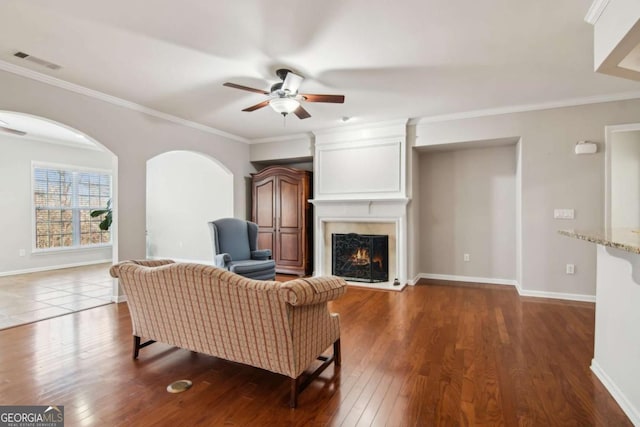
[(31, 297)]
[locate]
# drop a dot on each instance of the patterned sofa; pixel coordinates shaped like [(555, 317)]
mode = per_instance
[(280, 327)]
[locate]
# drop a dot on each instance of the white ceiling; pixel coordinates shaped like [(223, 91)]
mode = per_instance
[(42, 130), (400, 59)]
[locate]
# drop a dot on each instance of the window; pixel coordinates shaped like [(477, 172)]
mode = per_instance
[(63, 200)]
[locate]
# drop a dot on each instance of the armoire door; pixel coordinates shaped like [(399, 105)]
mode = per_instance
[(289, 214), (264, 213)]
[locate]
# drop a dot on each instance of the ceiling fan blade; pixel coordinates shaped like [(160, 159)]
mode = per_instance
[(247, 88), (257, 106), (12, 131), (336, 99), (301, 113), (292, 82)]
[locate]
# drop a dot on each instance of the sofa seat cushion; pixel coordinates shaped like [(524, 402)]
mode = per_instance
[(251, 266)]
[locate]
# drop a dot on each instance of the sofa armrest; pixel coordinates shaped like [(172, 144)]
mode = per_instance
[(313, 290), (115, 269), (221, 260), (261, 254)]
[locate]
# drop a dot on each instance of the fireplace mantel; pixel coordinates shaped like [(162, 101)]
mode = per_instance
[(390, 200), (360, 178)]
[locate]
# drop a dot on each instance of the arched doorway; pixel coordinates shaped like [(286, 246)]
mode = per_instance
[(51, 177), (185, 190)]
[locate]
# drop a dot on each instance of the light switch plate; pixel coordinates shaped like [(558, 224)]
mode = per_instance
[(563, 213)]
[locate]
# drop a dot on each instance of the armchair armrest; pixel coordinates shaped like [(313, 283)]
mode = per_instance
[(261, 254), (221, 260), (114, 271), (313, 290)]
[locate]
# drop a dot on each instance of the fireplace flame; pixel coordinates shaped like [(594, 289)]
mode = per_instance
[(377, 259), (360, 257)]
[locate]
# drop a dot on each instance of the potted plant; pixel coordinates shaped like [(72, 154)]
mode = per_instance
[(105, 224)]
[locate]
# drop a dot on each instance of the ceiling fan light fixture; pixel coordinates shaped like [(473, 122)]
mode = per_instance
[(284, 105)]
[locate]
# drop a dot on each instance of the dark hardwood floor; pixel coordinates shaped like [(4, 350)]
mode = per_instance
[(434, 354)]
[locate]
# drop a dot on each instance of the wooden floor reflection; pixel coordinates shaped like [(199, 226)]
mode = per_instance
[(434, 354)]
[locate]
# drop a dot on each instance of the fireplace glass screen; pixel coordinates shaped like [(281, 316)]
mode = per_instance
[(360, 257)]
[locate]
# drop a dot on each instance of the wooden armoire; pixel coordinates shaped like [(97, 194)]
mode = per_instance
[(285, 217)]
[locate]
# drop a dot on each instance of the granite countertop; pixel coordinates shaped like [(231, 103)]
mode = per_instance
[(626, 239)]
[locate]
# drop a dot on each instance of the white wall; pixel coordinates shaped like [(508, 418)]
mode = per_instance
[(286, 148), (16, 197), (134, 137), (185, 191), (467, 206), (615, 24), (552, 177), (625, 179), (617, 337), (414, 250)]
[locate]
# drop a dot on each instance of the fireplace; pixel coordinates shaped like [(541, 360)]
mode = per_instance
[(360, 257)]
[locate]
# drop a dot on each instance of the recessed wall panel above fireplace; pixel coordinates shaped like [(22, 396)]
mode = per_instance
[(366, 162), (373, 168)]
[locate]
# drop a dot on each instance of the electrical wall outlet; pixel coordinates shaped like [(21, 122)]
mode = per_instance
[(22, 252), (570, 269), (466, 257), (564, 214)]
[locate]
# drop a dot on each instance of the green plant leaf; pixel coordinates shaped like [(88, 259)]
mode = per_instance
[(105, 224)]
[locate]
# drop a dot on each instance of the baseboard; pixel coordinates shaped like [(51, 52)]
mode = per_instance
[(54, 267), (557, 295), (120, 298), (385, 286), (627, 407), (190, 261), (494, 281), (488, 280)]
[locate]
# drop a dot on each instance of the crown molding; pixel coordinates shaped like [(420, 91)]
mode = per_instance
[(596, 9), (361, 126), (573, 102), (308, 136), (72, 87), (63, 84), (395, 129)]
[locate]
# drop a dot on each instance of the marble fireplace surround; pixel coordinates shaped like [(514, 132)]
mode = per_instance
[(387, 217)]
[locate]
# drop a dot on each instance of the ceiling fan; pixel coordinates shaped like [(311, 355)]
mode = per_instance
[(284, 97), (4, 127)]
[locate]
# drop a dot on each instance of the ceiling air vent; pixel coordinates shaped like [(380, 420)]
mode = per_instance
[(36, 60)]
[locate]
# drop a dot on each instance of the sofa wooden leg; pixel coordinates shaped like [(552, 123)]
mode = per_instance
[(336, 353), (137, 346), (293, 398), (300, 383)]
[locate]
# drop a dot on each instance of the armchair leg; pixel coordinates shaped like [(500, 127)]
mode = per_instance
[(336, 352)]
